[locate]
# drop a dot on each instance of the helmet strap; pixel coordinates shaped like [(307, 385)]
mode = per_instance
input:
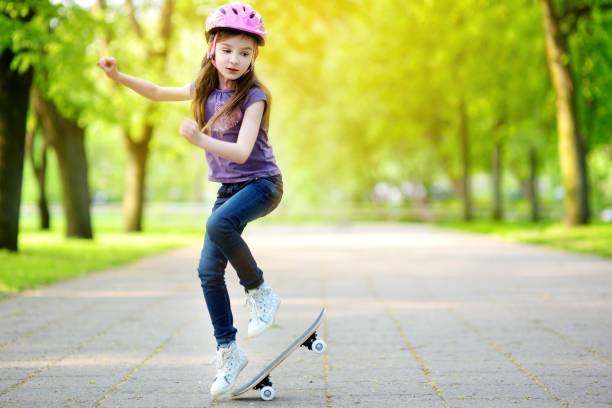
[(211, 49)]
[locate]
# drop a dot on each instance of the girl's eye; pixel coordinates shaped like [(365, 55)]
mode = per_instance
[(226, 51), (245, 54)]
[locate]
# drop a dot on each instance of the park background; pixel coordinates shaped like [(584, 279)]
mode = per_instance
[(490, 116)]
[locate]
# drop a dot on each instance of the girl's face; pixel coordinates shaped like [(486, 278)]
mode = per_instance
[(233, 55)]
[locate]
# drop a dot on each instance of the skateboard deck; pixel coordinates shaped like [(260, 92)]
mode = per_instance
[(261, 381)]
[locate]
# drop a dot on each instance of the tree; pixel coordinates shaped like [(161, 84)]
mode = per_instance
[(14, 87), (37, 148), (138, 123), (572, 149), (68, 141), (52, 44), (14, 101)]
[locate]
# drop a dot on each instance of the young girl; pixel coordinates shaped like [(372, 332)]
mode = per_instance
[(232, 110)]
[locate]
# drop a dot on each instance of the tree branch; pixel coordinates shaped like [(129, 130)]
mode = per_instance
[(582, 11), (129, 5)]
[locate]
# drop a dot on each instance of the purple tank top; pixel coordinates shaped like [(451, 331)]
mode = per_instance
[(261, 162)]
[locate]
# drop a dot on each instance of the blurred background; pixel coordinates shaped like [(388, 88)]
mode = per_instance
[(487, 113)]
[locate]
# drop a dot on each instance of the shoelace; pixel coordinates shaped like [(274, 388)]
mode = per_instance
[(223, 358), (257, 308)]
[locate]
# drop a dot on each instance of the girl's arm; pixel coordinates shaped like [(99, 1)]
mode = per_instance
[(238, 152), (146, 88), (154, 92)]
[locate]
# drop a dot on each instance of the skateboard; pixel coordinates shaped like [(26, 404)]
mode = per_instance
[(262, 383)]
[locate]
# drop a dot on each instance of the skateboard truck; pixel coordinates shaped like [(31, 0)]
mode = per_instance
[(266, 392), (315, 343)]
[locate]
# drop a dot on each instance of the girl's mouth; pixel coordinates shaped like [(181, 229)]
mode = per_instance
[(232, 70)]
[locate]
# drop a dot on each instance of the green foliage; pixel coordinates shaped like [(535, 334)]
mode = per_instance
[(51, 38), (592, 67), (363, 91), (601, 176)]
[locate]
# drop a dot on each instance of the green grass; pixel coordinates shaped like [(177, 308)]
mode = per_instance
[(593, 239), (46, 257)]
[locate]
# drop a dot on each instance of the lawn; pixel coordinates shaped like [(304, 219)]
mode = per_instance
[(593, 239), (47, 256)]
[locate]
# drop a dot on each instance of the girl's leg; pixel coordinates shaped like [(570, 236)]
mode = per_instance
[(225, 225), (211, 270)]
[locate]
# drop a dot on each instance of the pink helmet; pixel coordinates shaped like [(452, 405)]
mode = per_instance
[(237, 16)]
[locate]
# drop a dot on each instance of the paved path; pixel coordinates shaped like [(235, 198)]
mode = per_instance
[(417, 317)]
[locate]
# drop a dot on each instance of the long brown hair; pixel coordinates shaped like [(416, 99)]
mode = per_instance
[(208, 80)]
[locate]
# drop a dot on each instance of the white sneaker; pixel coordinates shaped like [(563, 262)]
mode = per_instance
[(263, 304), (230, 361)]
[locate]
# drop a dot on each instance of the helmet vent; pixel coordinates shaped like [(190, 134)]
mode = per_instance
[(235, 11)]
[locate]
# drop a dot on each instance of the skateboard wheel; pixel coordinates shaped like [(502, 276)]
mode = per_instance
[(267, 393), (319, 346)]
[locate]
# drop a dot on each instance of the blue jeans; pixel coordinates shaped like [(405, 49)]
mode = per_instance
[(237, 204)]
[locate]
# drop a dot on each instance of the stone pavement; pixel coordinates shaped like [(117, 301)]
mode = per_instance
[(416, 317)]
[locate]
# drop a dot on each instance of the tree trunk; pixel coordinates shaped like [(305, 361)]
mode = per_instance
[(496, 171), (464, 139), (572, 154), (39, 168), (532, 185), (68, 140), (14, 101), (133, 199), (138, 150)]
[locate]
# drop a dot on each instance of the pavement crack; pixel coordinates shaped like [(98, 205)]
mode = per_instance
[(83, 344), (495, 346), (539, 326), (411, 347), (46, 325), (115, 387), (595, 353)]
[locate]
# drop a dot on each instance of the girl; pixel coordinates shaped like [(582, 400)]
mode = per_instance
[(232, 110)]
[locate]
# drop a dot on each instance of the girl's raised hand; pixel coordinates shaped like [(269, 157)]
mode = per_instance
[(191, 131), (109, 65)]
